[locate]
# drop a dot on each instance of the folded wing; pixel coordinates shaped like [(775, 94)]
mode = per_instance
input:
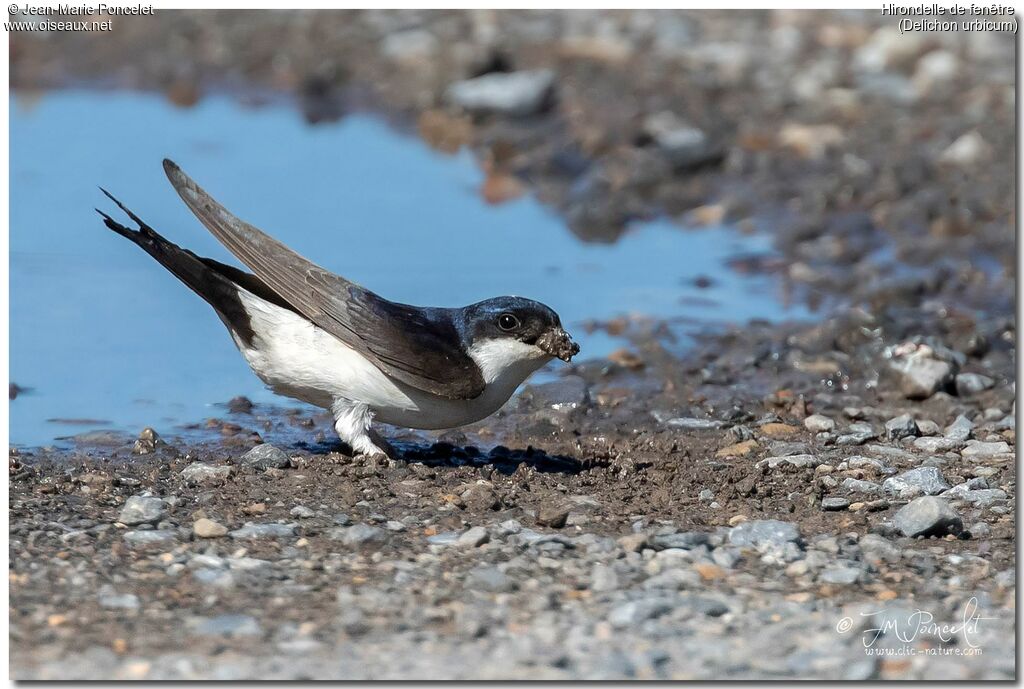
[(416, 346)]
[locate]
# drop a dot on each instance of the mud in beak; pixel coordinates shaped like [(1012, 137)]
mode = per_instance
[(558, 343)]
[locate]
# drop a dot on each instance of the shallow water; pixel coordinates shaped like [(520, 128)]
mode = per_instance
[(105, 337)]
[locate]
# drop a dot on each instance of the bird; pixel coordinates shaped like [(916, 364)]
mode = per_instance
[(317, 337)]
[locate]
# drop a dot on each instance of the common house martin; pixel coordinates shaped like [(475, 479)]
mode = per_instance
[(314, 336)]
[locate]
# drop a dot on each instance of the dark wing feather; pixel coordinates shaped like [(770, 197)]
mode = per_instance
[(416, 346)]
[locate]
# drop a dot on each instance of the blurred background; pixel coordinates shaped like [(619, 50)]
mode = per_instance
[(649, 174)]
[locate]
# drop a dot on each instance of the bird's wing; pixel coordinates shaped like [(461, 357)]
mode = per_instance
[(412, 345)]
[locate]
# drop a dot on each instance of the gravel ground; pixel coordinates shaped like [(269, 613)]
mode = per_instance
[(757, 506)]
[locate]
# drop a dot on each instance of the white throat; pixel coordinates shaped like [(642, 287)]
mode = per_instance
[(507, 361)]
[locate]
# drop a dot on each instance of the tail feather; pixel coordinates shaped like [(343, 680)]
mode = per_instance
[(218, 284)]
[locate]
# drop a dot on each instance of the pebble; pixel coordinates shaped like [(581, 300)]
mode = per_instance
[(982, 497), (207, 528), (960, 430), (934, 445), (684, 145), (513, 94), (764, 532), (205, 473), (966, 151), (899, 427), (142, 539), (682, 540), (842, 575), (968, 384), (928, 516), (254, 531), (819, 423), (473, 537), (480, 497), (693, 424), (491, 579), (977, 448), (140, 509), (634, 612), (795, 460), (854, 485), (553, 516), (857, 434), (834, 504), (603, 578), (266, 456), (230, 625), (119, 601), (358, 534), (927, 480), (921, 376), (302, 512)]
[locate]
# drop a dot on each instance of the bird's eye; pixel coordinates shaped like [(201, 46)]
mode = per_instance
[(507, 322)]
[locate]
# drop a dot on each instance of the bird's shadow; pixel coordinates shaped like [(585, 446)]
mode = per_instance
[(502, 459)]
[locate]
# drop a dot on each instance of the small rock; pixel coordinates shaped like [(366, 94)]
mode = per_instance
[(140, 509), (834, 504), (302, 512), (928, 516), (819, 423), (795, 460), (207, 528), (513, 94), (764, 531), (738, 450), (966, 151), (553, 516), (935, 445), (231, 625), (706, 495), (143, 539), (968, 384), (683, 540), (976, 448), (921, 376), (603, 578), (359, 534), (928, 427), (927, 480), (240, 405), (693, 424), (253, 531), (147, 442), (473, 537), (960, 430), (853, 485), (842, 575), (778, 430), (119, 601), (858, 434), (480, 497), (490, 579), (266, 456), (205, 473), (683, 145), (634, 612), (902, 426)]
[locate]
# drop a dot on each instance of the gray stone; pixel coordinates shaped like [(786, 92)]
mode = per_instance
[(878, 549), (842, 575), (302, 512), (491, 579), (207, 528), (922, 376), (819, 423), (681, 143), (976, 448), (119, 601), (205, 473), (928, 427), (480, 496), (603, 578), (982, 497), (960, 430), (473, 537), (928, 516), (513, 94), (253, 531), (358, 534), (857, 434), (444, 538), (706, 495), (968, 384), (140, 509), (932, 444), (899, 427), (834, 504), (927, 480), (143, 539), (684, 540), (230, 625), (266, 456), (692, 424), (795, 460), (631, 613), (758, 533), (854, 485)]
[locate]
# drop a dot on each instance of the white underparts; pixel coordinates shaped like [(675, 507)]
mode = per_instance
[(297, 359)]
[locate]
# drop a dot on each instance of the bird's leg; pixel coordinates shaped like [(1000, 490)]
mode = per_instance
[(352, 422)]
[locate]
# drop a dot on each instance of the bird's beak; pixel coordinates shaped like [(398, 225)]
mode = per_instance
[(558, 343)]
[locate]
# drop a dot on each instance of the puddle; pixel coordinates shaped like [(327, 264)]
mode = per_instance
[(99, 331)]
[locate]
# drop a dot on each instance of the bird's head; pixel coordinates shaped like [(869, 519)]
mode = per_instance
[(511, 331)]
